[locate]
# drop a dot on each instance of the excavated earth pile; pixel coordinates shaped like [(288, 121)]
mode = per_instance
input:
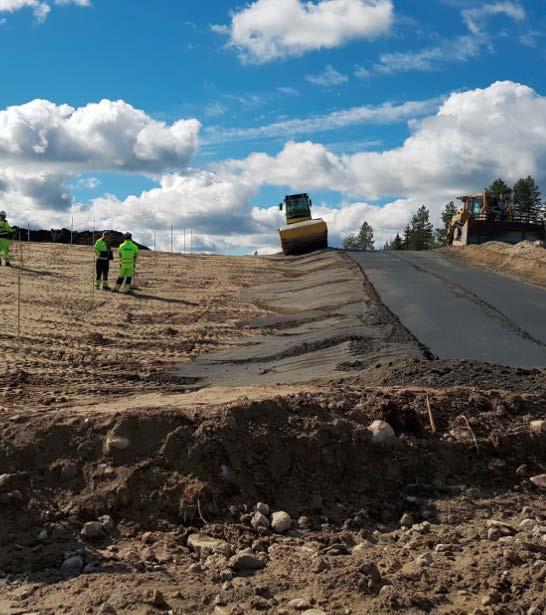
[(323, 462), (525, 260)]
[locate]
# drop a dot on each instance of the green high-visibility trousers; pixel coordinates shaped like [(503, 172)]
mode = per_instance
[(4, 248)]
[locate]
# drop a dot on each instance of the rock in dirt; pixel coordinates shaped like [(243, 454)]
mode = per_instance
[(527, 524), (72, 567), (539, 481), (198, 542), (4, 480), (114, 444), (246, 561), (382, 433), (69, 471), (425, 559), (538, 427), (42, 536), (304, 523), (93, 530), (259, 520), (314, 612), (281, 522), (407, 520), (504, 528), (491, 599), (262, 508), (107, 523), (300, 604)]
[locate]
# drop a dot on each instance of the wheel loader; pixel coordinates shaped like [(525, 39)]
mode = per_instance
[(301, 234), (490, 217)]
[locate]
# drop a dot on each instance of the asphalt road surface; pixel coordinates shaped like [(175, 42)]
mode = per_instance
[(461, 312)]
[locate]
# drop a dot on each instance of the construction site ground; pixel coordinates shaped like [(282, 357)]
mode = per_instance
[(157, 422)]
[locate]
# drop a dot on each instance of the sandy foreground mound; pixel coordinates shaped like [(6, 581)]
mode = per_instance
[(523, 260), (130, 483)]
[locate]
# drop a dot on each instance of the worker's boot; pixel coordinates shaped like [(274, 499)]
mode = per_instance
[(97, 284), (8, 264), (127, 289), (116, 288), (105, 285)]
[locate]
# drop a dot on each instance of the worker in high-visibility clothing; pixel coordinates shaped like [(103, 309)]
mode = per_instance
[(5, 235), (128, 254), (104, 255)]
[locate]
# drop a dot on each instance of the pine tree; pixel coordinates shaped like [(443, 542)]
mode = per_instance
[(499, 187), (421, 235), (350, 242), (363, 241), (528, 206), (406, 241), (441, 233), (397, 243), (365, 237)]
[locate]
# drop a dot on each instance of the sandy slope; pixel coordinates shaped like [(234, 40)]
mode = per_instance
[(78, 344), (524, 260)]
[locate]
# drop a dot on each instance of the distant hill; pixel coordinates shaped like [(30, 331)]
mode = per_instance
[(84, 238)]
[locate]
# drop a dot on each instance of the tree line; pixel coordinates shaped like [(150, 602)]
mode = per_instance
[(420, 234)]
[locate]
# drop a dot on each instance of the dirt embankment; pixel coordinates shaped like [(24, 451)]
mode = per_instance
[(100, 432), (525, 260)]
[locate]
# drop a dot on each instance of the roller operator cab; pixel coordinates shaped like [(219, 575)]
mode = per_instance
[(490, 217), (301, 234)]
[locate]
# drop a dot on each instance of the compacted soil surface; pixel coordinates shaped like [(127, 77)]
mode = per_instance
[(212, 445)]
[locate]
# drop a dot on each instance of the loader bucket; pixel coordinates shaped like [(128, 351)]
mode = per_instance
[(482, 231), (304, 237)]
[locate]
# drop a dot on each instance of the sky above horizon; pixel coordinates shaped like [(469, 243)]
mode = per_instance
[(142, 115)]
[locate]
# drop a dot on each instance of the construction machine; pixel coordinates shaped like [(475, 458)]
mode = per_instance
[(491, 217), (301, 234)]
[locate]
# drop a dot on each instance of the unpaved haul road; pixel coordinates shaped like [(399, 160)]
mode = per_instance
[(460, 312)]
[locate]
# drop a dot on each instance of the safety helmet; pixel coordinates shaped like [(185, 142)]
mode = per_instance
[(128, 236)]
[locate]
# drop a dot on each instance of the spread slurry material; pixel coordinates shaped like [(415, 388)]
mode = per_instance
[(313, 456)]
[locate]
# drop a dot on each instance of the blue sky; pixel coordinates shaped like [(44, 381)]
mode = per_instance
[(164, 58)]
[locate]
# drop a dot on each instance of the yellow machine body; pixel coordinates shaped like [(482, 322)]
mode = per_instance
[(301, 234)]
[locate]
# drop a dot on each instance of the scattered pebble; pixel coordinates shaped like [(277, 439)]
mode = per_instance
[(69, 471), (539, 481), (407, 520), (538, 427), (93, 530), (281, 522), (300, 604), (527, 524), (259, 520), (116, 443), (382, 433), (72, 567), (304, 523), (246, 561), (262, 508), (425, 559)]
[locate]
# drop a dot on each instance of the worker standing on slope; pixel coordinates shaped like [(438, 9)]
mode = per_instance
[(104, 255), (5, 234), (128, 254)]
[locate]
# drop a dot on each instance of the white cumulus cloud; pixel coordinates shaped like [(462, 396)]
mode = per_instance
[(109, 135), (39, 8), (274, 29)]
